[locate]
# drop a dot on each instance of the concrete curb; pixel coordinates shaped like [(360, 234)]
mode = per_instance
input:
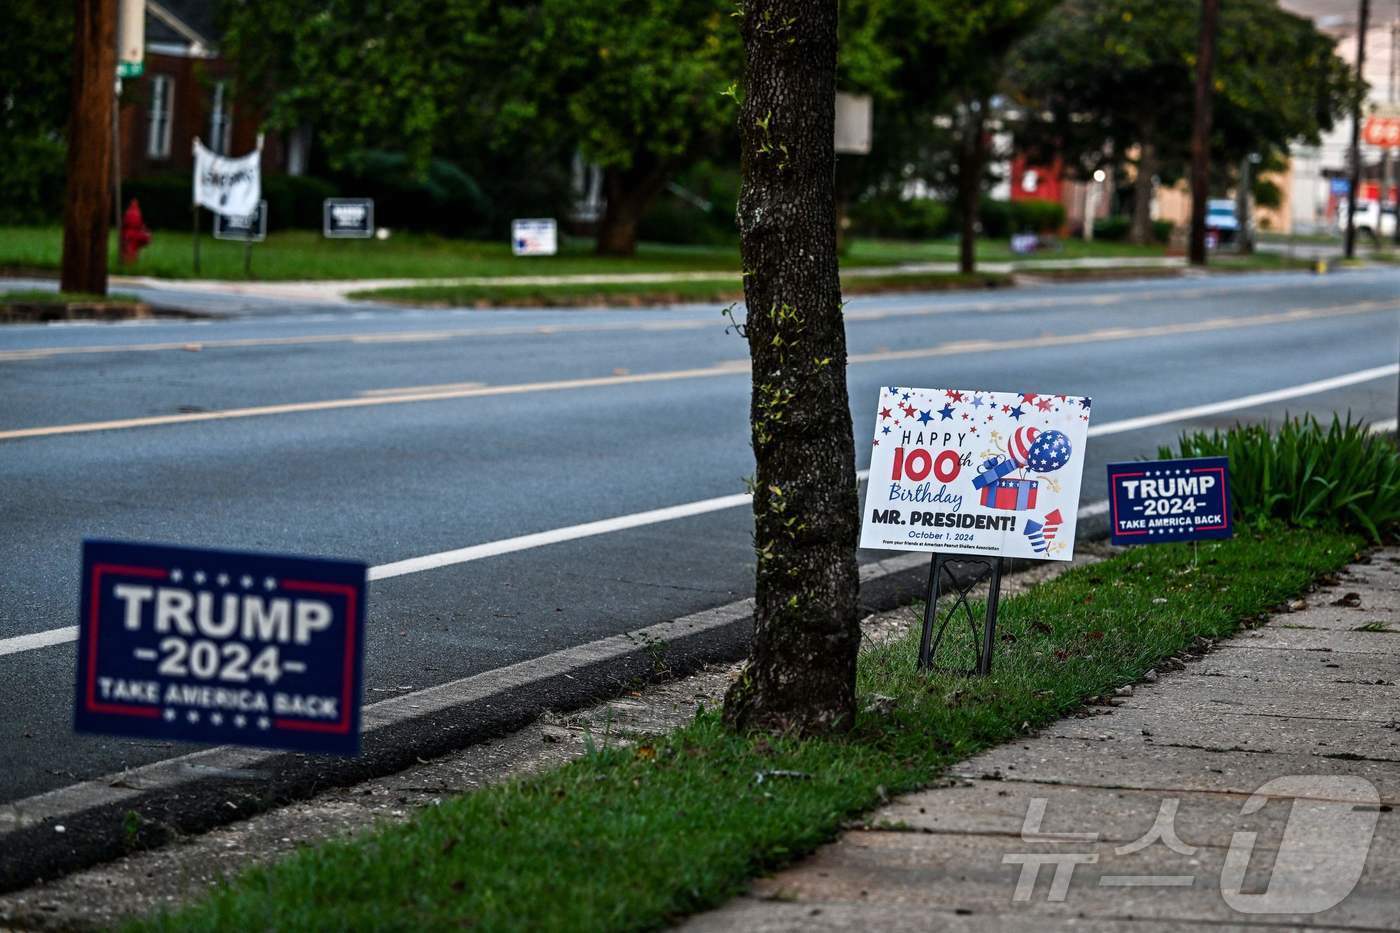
[(71, 828)]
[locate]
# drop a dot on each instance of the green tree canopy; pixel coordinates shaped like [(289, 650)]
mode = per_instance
[(1106, 78)]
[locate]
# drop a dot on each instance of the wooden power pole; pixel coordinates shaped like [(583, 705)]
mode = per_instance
[(1200, 130), (1354, 179), (87, 208)]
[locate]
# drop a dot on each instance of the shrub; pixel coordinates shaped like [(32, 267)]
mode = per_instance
[(31, 183), (1112, 229), (1037, 216), (1307, 476), (677, 218), (441, 198), (889, 215), (293, 202)]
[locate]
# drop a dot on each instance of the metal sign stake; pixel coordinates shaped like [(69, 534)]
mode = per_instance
[(943, 582)]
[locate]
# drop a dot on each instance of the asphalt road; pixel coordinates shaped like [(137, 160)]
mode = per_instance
[(307, 430)]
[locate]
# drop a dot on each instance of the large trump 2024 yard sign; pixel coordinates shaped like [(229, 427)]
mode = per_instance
[(220, 646), (974, 472)]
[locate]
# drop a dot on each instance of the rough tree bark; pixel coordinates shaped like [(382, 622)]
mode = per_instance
[(800, 676), (629, 192), (1141, 230), (972, 155), (88, 196), (1200, 130)]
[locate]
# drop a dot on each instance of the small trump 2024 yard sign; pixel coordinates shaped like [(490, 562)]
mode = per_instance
[(221, 646), (1169, 500), (959, 471)]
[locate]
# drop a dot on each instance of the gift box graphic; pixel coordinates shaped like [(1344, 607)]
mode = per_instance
[(993, 469), (1014, 494)]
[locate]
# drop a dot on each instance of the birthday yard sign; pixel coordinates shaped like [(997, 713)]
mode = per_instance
[(973, 472)]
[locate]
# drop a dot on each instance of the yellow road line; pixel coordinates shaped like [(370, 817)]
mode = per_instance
[(726, 368)]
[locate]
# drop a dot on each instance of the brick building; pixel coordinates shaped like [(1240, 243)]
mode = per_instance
[(186, 91)]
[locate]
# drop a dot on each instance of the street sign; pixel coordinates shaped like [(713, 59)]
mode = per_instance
[(249, 228), (220, 646), (534, 236), (854, 123), (347, 218), (1169, 500), (974, 472), (130, 69), (1339, 187)]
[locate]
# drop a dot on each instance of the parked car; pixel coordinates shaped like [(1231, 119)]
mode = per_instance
[(1220, 217), (1373, 220)]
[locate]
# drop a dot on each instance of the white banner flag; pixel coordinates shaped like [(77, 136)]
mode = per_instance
[(227, 186)]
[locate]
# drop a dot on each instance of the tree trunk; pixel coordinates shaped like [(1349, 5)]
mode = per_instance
[(1200, 130), (1141, 230), (87, 205), (972, 153), (800, 676), (1354, 176), (629, 193)]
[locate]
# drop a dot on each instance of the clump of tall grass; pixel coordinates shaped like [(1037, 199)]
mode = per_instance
[(1342, 476)]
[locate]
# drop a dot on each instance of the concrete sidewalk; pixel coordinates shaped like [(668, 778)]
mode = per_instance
[(1255, 788)]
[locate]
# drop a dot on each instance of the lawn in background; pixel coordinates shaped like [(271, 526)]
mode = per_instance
[(302, 254)]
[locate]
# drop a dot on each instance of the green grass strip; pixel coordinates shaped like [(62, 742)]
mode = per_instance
[(631, 838)]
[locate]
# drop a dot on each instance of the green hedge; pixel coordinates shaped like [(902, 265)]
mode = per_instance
[(31, 180), (293, 202), (1116, 227), (893, 217), (888, 215)]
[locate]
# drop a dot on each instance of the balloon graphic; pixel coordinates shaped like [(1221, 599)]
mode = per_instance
[(1019, 446), (1048, 452)]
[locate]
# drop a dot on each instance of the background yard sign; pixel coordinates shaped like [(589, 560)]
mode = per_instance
[(534, 237), (1170, 500), (347, 218), (246, 227), (220, 646), (974, 472)]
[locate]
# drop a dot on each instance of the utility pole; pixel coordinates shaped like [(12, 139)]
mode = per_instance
[(1200, 130), (1355, 178), (87, 207)]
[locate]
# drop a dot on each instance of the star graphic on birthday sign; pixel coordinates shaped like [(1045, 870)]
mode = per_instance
[(1029, 397), (947, 412), (1016, 412), (885, 429), (886, 413), (1043, 404), (954, 394), (1006, 409), (894, 390), (909, 411), (977, 401), (925, 417), (1085, 402)]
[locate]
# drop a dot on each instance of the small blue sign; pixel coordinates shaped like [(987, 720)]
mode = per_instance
[(224, 647), (1169, 500), (1340, 186)]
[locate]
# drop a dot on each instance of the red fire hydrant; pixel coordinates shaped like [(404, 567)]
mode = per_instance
[(134, 233)]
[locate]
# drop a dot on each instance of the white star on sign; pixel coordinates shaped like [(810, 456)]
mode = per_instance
[(216, 718), (176, 576), (240, 720), (270, 584), (247, 581), (193, 716), (199, 576), (264, 722), (223, 579), (170, 715)]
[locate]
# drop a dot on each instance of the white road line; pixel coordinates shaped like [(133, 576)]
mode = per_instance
[(1244, 401), (54, 636), (58, 636)]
